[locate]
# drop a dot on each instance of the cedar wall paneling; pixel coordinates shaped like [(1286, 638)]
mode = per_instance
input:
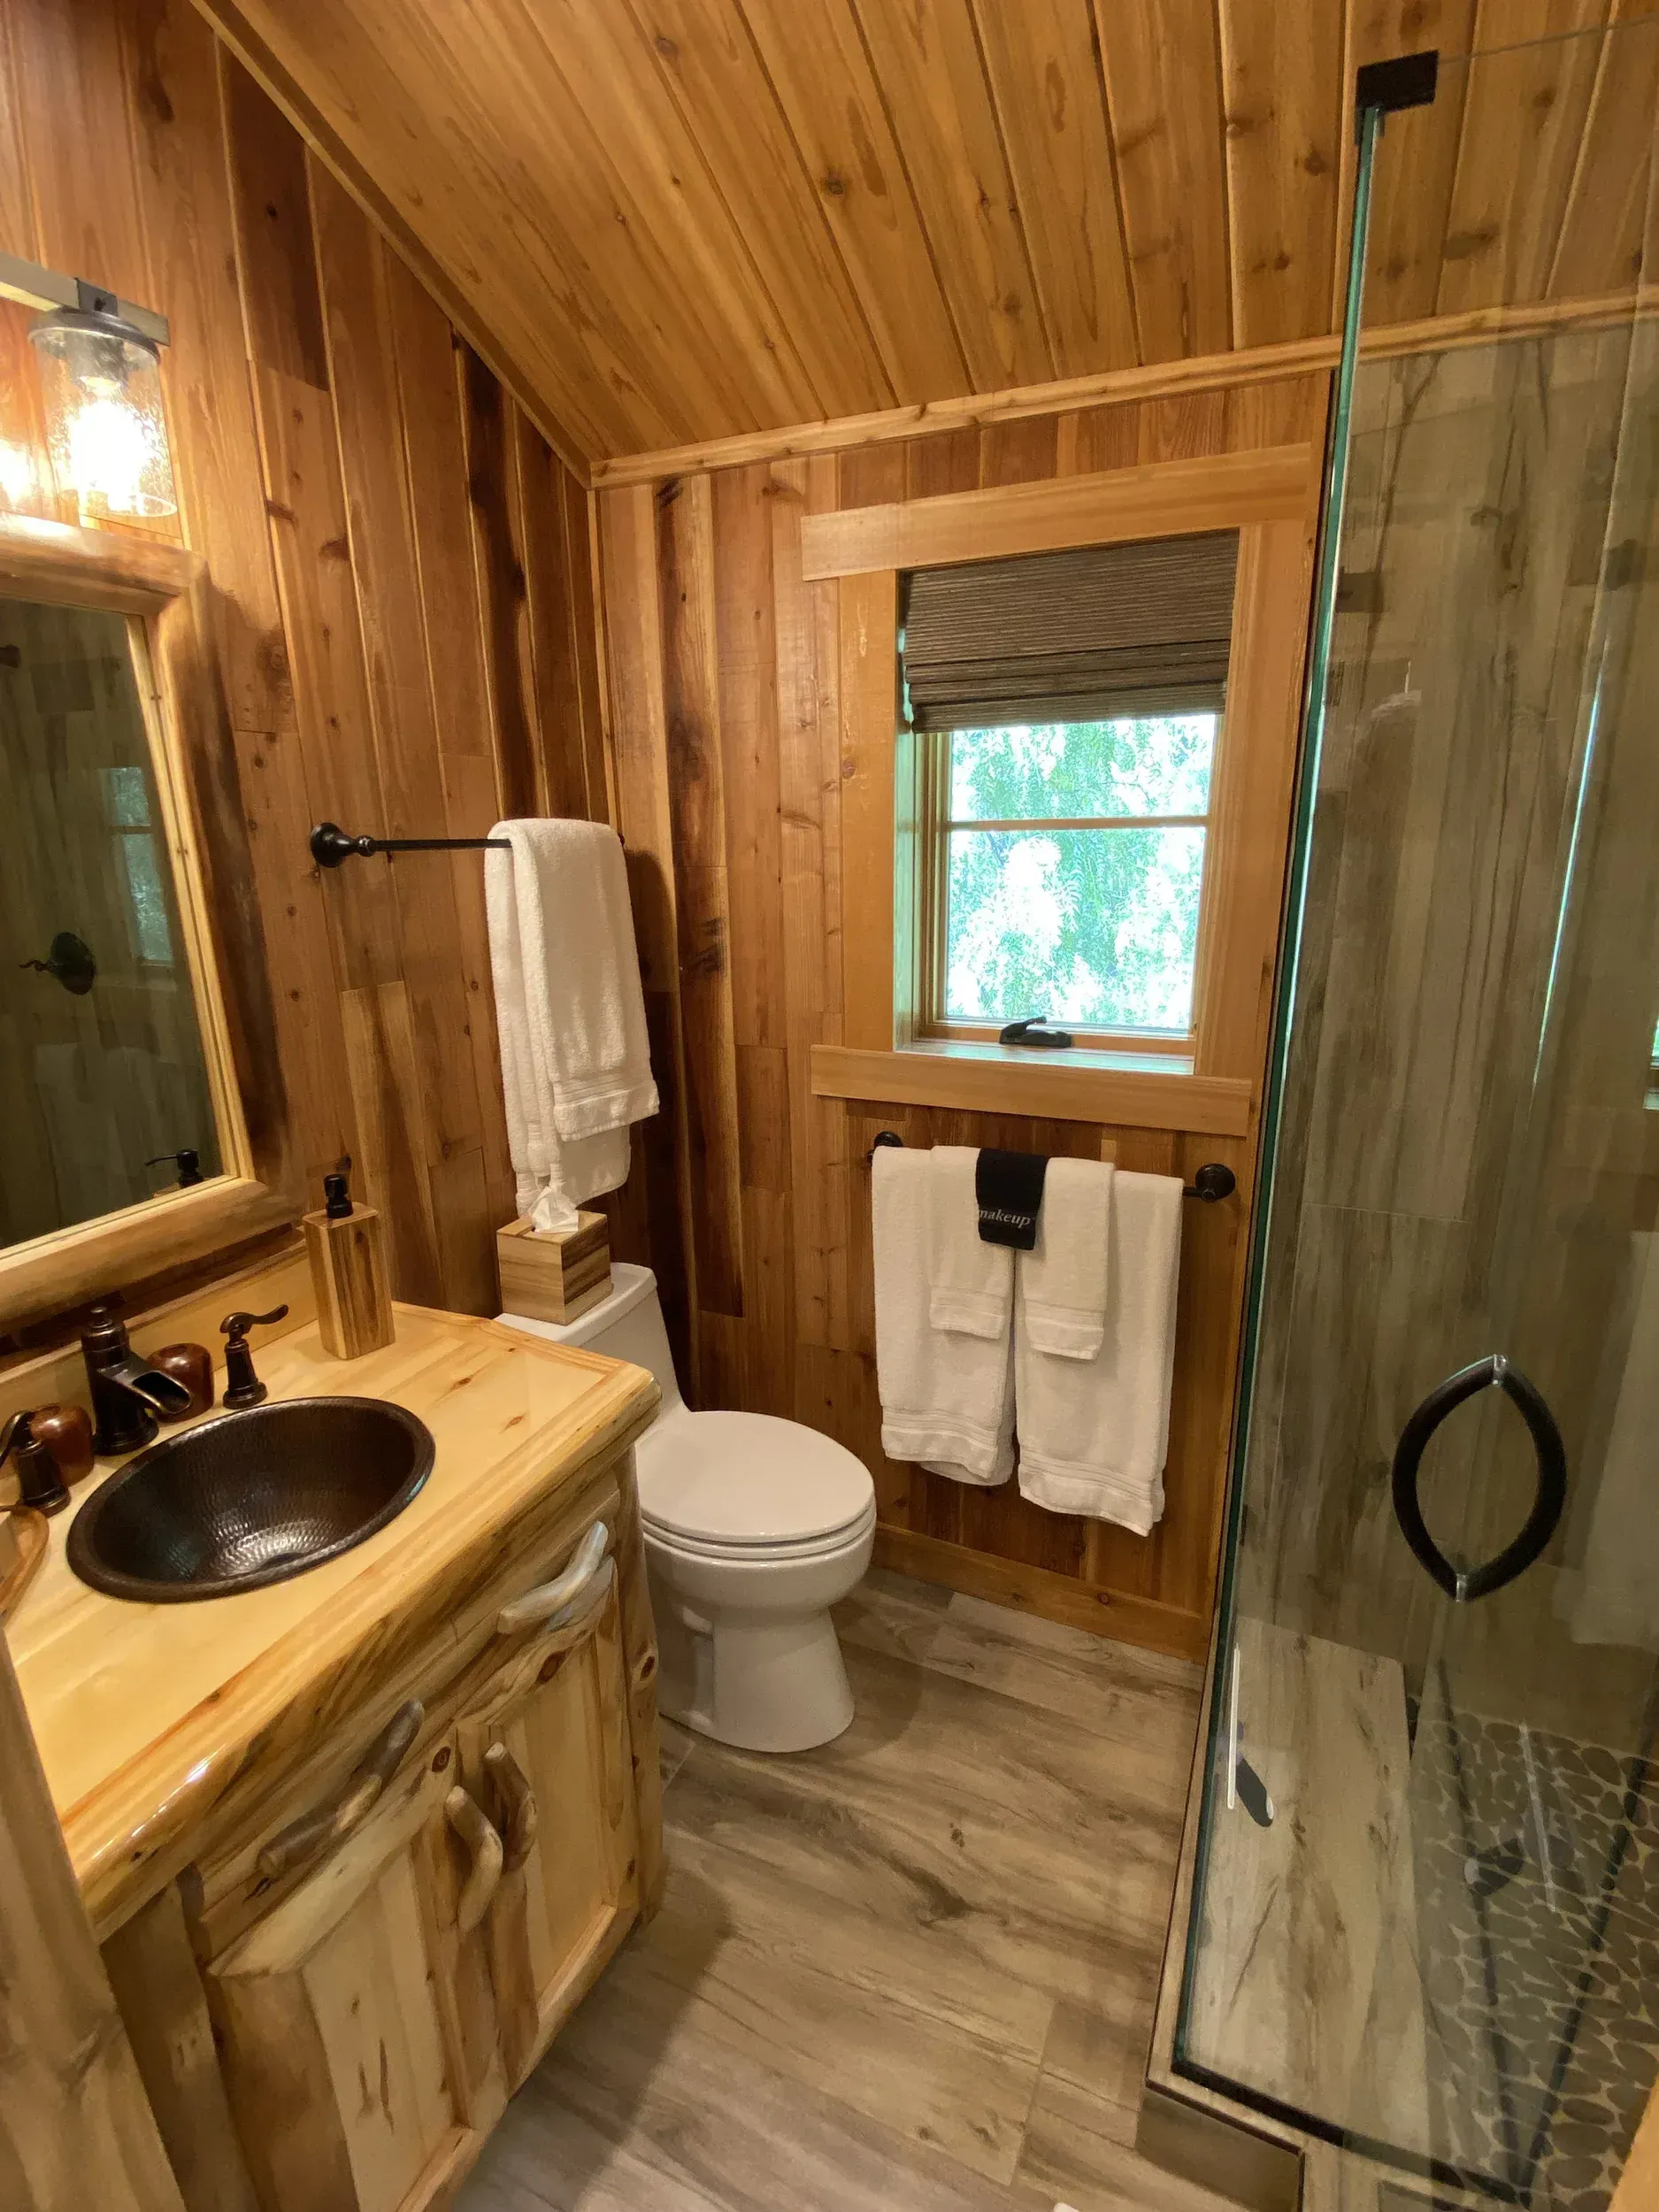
[(401, 569), (751, 1198)]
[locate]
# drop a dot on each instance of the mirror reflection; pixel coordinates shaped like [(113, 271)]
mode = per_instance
[(103, 1089)]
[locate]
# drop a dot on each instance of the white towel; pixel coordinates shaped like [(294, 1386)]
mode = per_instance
[(971, 1284), (575, 1064), (947, 1400), (1093, 1433), (1063, 1279)]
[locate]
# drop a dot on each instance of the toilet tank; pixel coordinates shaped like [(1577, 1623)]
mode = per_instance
[(627, 1325)]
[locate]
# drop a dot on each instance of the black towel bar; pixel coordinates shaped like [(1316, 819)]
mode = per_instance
[(1211, 1182), (331, 848)]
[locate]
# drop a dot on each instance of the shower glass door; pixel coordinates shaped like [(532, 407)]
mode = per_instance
[(1425, 1920)]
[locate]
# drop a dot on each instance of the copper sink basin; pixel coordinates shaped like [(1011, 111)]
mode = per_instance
[(249, 1498)]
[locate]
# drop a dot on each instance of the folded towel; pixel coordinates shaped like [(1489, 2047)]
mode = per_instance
[(575, 1064), (947, 1398), (1093, 1433), (971, 1284), (1064, 1275)]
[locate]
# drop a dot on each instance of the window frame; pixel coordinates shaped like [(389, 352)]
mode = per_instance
[(1270, 494), (931, 893)]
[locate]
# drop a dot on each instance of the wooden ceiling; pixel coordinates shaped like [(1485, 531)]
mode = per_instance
[(682, 220)]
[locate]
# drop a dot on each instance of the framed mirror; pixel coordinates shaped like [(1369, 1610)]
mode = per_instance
[(142, 1118)]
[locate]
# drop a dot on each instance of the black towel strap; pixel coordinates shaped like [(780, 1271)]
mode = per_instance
[(1009, 1188)]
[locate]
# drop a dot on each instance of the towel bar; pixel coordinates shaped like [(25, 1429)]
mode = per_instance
[(1212, 1181), (331, 848)]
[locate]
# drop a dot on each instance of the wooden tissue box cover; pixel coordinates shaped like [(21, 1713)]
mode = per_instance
[(553, 1275)]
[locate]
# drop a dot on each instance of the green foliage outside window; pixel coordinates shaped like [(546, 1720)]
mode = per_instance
[(1095, 926)]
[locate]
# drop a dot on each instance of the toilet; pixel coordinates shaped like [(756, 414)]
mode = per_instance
[(754, 1528)]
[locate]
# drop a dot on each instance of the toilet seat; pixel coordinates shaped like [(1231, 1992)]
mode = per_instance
[(748, 1486)]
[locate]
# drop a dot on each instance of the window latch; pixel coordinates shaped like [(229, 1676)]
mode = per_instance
[(1030, 1032)]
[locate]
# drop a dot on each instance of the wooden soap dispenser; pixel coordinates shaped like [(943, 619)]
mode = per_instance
[(347, 1246)]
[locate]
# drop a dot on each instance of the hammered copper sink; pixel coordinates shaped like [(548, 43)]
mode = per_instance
[(249, 1498)]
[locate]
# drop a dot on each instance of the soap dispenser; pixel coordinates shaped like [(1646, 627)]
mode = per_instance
[(347, 1246)]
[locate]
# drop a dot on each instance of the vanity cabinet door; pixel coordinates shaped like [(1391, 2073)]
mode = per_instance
[(355, 2019), (546, 1752)]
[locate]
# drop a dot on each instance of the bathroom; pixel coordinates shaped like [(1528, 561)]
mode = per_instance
[(1129, 517)]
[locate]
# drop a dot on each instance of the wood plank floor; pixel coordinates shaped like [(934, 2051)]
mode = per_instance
[(913, 1970)]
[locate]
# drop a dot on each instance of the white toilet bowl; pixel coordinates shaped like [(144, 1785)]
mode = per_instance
[(754, 1528)]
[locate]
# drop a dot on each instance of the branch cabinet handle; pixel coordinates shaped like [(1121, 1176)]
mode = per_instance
[(484, 1844), (542, 1607), (518, 1799), (334, 1820), (1493, 1373)]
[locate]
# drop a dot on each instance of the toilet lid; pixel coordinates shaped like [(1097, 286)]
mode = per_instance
[(738, 1479)]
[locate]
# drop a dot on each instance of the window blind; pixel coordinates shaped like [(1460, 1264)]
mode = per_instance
[(1090, 635)]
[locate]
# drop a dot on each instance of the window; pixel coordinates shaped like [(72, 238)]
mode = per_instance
[(1067, 708), (126, 810), (1065, 876)]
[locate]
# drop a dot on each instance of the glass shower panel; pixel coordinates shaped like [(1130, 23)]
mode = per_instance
[(1424, 1918)]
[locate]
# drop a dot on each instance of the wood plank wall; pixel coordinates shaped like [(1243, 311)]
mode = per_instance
[(728, 677), (401, 575)]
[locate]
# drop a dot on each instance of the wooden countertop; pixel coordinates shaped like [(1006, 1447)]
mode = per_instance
[(143, 1714)]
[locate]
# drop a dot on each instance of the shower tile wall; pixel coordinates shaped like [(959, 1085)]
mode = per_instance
[(1486, 556)]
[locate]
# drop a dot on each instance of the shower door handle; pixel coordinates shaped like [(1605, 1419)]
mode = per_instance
[(1492, 1373)]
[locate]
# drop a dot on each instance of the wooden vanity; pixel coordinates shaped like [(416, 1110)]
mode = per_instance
[(356, 1844)]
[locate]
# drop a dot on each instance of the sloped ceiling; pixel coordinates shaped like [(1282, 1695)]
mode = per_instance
[(680, 219)]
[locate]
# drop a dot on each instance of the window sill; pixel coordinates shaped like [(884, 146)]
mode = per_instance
[(1139, 1090)]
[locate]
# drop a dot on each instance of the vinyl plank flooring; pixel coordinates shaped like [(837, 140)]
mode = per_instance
[(1056, 1915), (730, 2129), (1112, 1691), (677, 1744), (889, 1613), (549, 2155), (914, 1968), (1074, 2154), (1102, 2048), (770, 1983), (978, 1746)]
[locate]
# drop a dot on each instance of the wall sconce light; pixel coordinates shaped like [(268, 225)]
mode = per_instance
[(99, 359)]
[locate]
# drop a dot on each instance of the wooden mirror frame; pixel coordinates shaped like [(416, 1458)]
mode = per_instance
[(164, 592)]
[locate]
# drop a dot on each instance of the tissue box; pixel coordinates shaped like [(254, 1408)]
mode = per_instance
[(553, 1275)]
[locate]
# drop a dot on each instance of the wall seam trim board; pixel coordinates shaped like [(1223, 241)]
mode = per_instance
[(1187, 379)]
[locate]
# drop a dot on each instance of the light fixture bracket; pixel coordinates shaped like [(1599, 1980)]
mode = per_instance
[(31, 285)]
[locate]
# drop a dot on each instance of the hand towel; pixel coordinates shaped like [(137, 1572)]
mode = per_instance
[(971, 1284), (1093, 1433), (575, 1064), (947, 1398), (1064, 1275)]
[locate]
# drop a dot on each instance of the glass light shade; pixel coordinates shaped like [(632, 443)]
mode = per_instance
[(106, 429)]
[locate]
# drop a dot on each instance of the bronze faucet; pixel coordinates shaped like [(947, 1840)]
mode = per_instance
[(127, 1392)]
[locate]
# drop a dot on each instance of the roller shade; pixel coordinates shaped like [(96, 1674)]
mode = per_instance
[(1083, 635)]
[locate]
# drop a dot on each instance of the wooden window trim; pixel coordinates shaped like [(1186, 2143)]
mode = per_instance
[(1159, 499), (886, 796), (163, 592)]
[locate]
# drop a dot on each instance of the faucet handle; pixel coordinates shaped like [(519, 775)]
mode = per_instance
[(243, 1387), (41, 1473), (236, 1326)]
